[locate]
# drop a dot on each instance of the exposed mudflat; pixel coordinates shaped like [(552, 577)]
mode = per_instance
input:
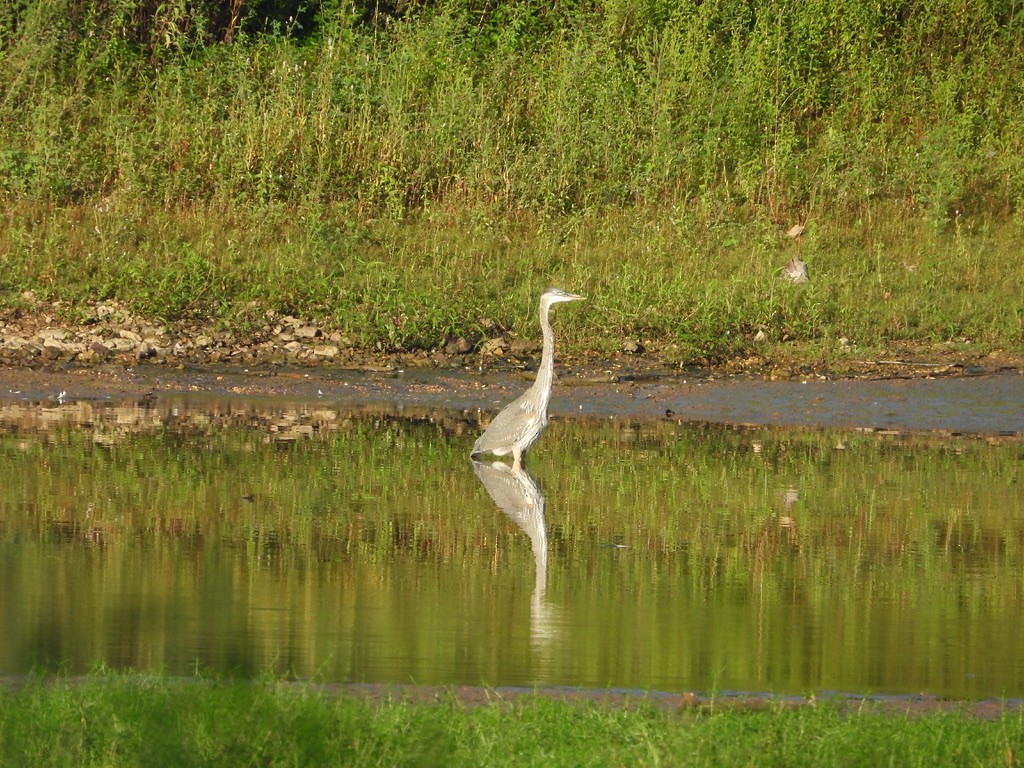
[(955, 400), (102, 352)]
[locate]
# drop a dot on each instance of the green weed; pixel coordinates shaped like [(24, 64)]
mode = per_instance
[(117, 720)]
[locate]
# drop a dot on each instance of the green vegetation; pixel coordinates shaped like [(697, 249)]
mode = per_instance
[(414, 171), (115, 721)]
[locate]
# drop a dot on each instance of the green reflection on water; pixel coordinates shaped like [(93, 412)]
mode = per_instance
[(337, 546)]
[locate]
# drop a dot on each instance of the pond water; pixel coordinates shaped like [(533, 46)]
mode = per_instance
[(234, 536)]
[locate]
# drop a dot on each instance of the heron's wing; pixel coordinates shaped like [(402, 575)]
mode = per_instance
[(514, 421)]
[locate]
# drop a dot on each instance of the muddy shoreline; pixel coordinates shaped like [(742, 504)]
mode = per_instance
[(979, 401)]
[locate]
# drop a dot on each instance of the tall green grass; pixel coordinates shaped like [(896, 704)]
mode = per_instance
[(416, 175), (114, 721), (784, 108)]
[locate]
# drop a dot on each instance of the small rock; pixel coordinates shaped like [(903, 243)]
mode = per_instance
[(130, 335), (329, 351), (145, 351), (286, 336), (121, 345), (524, 347), (104, 311), (52, 349), (795, 271), (293, 347), (308, 332), (29, 296), (760, 337), (459, 346), (495, 346), (203, 342), (688, 699)]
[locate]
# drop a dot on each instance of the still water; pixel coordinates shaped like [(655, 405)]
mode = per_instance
[(240, 537)]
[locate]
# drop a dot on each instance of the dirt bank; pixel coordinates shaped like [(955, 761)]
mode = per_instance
[(105, 335)]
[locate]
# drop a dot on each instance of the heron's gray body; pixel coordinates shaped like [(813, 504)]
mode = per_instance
[(521, 422)]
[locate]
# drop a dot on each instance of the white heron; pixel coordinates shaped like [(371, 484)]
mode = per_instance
[(521, 422)]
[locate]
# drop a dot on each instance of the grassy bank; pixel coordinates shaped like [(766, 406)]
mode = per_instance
[(689, 287), (127, 721), (423, 175)]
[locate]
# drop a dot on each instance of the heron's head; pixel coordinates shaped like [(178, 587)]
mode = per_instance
[(555, 295)]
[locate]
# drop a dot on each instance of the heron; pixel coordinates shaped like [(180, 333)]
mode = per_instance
[(521, 422)]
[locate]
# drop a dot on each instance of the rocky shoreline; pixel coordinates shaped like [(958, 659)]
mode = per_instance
[(40, 334), (108, 332)]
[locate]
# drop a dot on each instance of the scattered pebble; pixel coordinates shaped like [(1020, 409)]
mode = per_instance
[(795, 271), (457, 346), (495, 346)]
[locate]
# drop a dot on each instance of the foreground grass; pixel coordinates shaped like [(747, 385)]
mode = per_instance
[(130, 721)]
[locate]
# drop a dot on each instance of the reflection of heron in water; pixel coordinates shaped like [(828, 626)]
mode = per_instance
[(516, 493), (520, 422)]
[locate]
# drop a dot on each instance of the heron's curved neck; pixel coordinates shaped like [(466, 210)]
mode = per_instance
[(545, 373)]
